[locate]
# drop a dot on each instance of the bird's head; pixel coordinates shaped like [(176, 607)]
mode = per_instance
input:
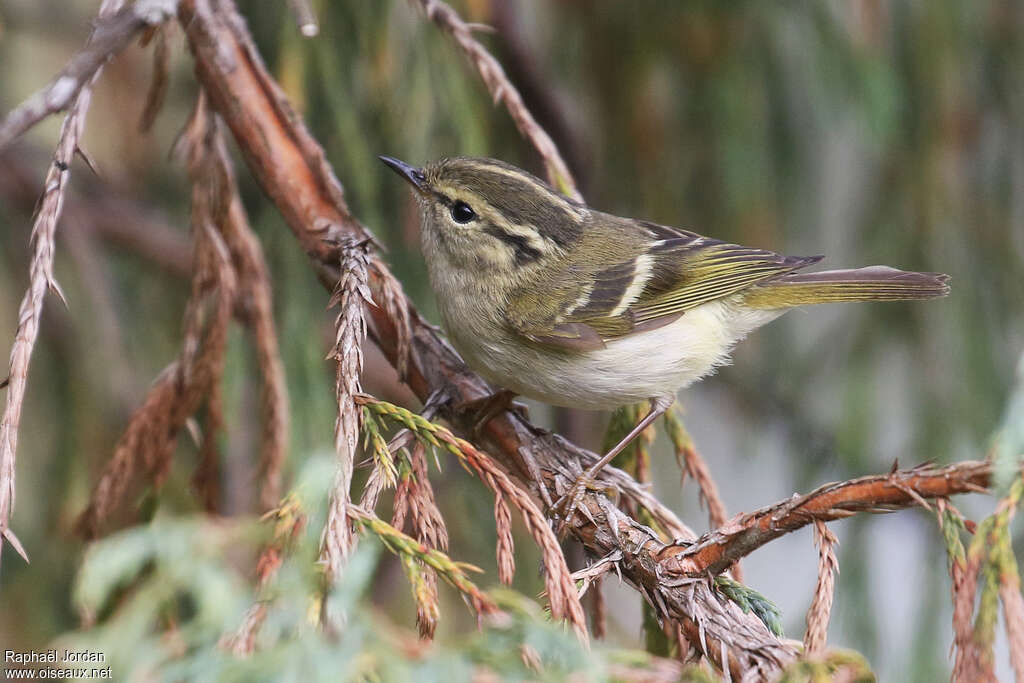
[(488, 214)]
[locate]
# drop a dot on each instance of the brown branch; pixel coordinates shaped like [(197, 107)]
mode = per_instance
[(274, 390), (715, 551), (114, 30), (290, 167), (502, 90)]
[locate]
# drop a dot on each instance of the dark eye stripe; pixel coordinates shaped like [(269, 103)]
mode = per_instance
[(525, 253)]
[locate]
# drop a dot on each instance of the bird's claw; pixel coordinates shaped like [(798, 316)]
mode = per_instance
[(487, 408), (565, 507)]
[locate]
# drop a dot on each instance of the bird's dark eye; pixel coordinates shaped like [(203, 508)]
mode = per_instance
[(461, 213)]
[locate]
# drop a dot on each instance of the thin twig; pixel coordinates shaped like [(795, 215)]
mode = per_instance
[(963, 572), (502, 90), (1009, 577), (161, 79), (207, 475), (692, 464), (598, 611), (114, 30), (990, 562), (302, 10), (120, 220)]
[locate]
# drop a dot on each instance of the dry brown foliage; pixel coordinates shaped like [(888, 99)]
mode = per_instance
[(559, 583), (148, 442), (72, 88), (230, 279), (415, 502), (289, 522), (821, 606), (350, 295), (693, 465), (988, 563)]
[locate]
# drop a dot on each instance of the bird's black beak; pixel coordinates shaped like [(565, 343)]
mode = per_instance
[(412, 174)]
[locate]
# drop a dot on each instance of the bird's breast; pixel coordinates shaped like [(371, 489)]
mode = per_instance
[(629, 369)]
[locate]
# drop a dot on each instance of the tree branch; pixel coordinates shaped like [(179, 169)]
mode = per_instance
[(290, 167), (716, 550)]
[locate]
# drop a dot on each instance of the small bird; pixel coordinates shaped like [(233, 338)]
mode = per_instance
[(551, 299)]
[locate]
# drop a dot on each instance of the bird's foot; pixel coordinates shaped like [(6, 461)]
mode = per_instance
[(565, 507), (487, 408)]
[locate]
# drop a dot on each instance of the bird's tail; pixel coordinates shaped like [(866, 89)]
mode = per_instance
[(874, 283)]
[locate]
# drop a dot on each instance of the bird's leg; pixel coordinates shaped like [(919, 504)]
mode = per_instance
[(487, 408), (571, 499)]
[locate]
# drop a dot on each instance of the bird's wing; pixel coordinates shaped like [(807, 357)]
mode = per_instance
[(647, 278)]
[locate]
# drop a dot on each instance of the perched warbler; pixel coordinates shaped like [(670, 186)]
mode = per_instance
[(548, 298)]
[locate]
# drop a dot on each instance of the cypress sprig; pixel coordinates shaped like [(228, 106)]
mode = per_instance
[(410, 550), (376, 443)]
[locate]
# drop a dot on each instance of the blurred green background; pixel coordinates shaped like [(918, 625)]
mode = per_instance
[(871, 131)]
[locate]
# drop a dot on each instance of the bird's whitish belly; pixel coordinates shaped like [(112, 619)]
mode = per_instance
[(659, 362)]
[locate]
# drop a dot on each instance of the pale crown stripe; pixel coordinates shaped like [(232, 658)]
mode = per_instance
[(551, 193)]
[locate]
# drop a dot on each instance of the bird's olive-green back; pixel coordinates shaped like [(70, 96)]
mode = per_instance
[(627, 276), (584, 276)]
